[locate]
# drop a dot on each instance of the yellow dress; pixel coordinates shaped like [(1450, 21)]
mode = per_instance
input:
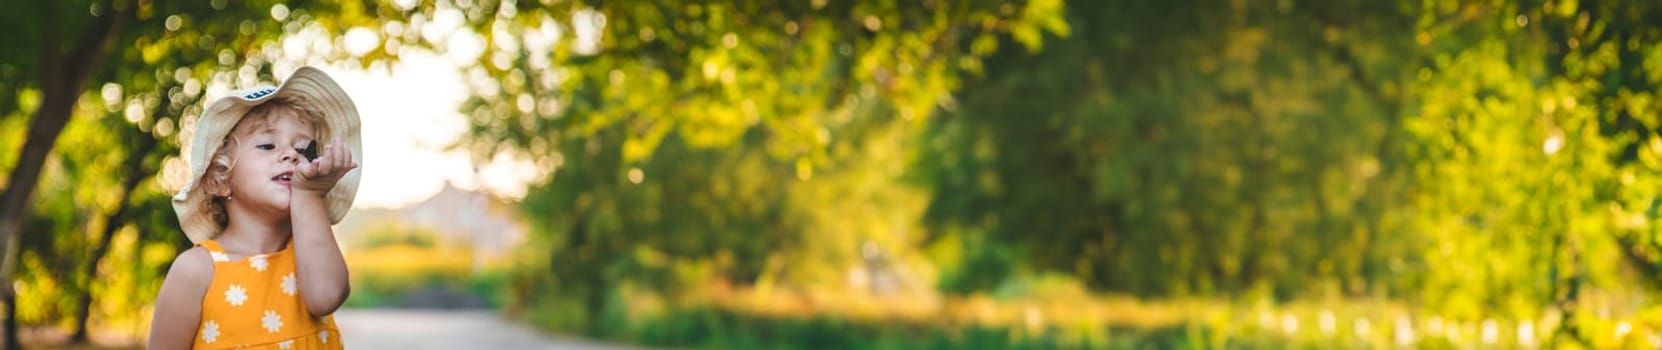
[(254, 303)]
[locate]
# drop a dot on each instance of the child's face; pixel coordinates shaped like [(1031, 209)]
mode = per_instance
[(269, 149)]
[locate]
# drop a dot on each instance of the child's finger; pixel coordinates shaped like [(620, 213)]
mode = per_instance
[(323, 162), (328, 155), (344, 153), (334, 155)]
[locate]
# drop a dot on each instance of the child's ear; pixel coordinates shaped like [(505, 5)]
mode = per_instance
[(225, 191), (215, 187)]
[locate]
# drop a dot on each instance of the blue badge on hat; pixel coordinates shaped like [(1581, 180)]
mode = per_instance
[(260, 93)]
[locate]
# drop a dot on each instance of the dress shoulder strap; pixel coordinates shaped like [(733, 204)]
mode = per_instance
[(214, 250)]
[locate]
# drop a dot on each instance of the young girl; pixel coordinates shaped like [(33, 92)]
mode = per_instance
[(271, 170)]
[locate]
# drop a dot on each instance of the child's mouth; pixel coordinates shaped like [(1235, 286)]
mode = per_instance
[(284, 179)]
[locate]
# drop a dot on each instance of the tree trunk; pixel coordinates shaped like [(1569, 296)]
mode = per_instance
[(62, 78), (133, 169), (11, 319)]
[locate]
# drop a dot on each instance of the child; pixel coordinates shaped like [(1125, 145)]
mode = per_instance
[(266, 271)]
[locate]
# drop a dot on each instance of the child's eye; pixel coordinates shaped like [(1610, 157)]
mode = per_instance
[(267, 147)]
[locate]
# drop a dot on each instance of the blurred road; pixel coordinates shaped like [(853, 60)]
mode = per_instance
[(417, 329)]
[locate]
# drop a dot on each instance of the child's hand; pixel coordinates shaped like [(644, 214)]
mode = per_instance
[(320, 175)]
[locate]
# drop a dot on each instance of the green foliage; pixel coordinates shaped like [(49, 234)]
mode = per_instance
[(744, 189), (1474, 160), (1468, 157), (1200, 148), (1224, 144)]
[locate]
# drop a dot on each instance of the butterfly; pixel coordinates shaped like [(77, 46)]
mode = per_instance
[(310, 152)]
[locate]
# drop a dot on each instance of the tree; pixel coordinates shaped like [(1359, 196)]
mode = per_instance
[(157, 58), (63, 73), (1534, 142), (1482, 159), (1174, 149), (675, 131)]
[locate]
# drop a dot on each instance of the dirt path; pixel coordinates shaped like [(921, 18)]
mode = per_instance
[(415, 329)]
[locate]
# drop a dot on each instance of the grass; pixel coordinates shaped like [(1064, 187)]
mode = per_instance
[(384, 275), (726, 317)]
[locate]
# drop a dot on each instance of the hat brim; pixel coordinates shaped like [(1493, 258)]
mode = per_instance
[(308, 86)]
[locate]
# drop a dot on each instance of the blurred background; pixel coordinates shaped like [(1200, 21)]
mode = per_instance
[(882, 174)]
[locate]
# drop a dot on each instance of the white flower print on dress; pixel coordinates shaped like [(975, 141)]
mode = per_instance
[(271, 321), (210, 331), (289, 286), (323, 335), (258, 262), (236, 295), (219, 256), (285, 344)]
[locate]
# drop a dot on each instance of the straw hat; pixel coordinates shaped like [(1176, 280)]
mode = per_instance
[(307, 86)]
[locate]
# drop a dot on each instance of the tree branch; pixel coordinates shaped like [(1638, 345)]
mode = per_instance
[(89, 51)]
